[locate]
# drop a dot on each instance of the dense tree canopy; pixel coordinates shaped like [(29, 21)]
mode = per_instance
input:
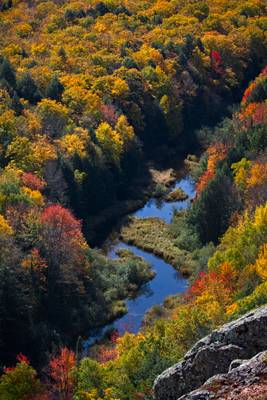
[(145, 67), (89, 90)]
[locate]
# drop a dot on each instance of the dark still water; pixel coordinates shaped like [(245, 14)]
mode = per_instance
[(167, 280), (162, 209)]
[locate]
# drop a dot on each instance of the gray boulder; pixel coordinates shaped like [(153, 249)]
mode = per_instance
[(247, 381), (240, 339), (236, 363)]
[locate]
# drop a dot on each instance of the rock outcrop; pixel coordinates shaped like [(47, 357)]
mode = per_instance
[(240, 339), (248, 381)]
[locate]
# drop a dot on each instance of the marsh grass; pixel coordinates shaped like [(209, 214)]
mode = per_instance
[(176, 195), (154, 235)]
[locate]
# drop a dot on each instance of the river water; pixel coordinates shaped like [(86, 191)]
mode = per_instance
[(167, 280)]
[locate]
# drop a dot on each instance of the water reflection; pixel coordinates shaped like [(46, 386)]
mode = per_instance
[(166, 282), (162, 209)]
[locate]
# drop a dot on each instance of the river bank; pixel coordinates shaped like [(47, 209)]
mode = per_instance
[(155, 182), (153, 235), (170, 276)]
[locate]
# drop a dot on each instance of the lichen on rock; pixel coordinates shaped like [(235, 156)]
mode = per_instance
[(240, 339)]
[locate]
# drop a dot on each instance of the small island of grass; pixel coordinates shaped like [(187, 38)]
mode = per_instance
[(153, 235), (176, 195)]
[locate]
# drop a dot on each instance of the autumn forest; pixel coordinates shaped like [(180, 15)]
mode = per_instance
[(98, 99)]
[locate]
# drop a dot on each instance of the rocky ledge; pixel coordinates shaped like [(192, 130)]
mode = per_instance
[(212, 355), (247, 381)]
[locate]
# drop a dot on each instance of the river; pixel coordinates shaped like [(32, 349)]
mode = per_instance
[(167, 280)]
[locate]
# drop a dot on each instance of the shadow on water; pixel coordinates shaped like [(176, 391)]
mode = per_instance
[(162, 209), (167, 281)]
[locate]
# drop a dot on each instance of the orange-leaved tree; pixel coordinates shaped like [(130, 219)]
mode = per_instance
[(61, 370)]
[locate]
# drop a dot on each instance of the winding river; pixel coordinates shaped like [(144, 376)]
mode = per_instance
[(167, 280)]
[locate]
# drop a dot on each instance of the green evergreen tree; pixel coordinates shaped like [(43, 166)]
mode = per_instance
[(28, 89), (62, 53), (16, 104), (5, 5), (211, 213), (7, 73), (54, 89)]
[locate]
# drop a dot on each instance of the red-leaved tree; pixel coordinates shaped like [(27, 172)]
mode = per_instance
[(32, 181), (216, 61), (61, 370), (64, 248), (61, 235)]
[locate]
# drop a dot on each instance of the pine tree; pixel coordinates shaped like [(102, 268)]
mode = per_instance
[(62, 54), (7, 73), (5, 5), (28, 89), (16, 104), (54, 89)]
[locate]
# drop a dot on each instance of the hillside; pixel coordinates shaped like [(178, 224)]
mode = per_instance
[(229, 350), (98, 103), (88, 84)]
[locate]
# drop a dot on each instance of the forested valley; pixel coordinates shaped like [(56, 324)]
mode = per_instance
[(98, 99)]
